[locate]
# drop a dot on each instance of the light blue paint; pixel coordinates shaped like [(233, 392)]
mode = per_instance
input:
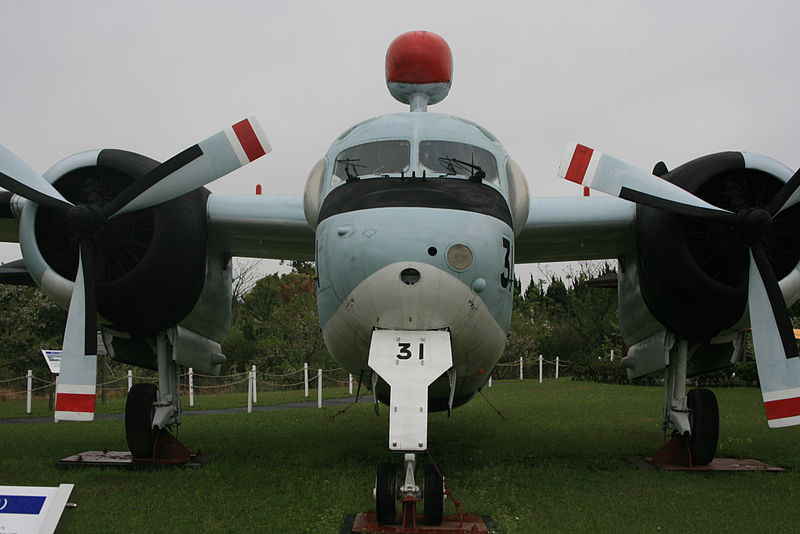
[(379, 237)]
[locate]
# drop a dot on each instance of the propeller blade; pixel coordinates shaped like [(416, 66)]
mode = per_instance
[(777, 315), (786, 197), (76, 386), (598, 171), (196, 166), (19, 178), (773, 340)]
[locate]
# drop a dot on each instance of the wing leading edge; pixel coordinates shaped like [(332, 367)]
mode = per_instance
[(258, 226), (576, 228)]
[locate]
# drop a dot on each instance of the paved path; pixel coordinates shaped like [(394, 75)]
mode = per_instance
[(256, 408)]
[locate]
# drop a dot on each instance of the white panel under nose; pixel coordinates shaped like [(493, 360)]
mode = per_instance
[(409, 361)]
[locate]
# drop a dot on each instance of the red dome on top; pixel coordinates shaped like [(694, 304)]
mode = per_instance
[(419, 57)]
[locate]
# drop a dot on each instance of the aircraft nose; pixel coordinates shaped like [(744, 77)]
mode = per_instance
[(411, 295)]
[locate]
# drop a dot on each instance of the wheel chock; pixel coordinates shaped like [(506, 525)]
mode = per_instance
[(674, 452)]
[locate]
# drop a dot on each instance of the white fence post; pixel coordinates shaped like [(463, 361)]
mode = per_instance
[(255, 385), (191, 386), (349, 383), (30, 393), (319, 388), (612, 355), (520, 367), (556, 367), (249, 391), (55, 398), (305, 376), (490, 380), (540, 368), (130, 378)]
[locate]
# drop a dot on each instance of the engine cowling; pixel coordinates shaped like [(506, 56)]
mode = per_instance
[(693, 272), (150, 264)]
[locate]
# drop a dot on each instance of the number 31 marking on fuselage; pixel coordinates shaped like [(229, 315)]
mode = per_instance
[(405, 351)]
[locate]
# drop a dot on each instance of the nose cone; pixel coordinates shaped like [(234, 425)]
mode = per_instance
[(413, 269), (412, 295)]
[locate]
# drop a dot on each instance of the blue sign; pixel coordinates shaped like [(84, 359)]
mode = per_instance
[(21, 504)]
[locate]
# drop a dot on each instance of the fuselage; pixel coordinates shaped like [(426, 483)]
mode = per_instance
[(408, 238)]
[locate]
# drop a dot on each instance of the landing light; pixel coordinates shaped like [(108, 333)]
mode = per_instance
[(459, 257)]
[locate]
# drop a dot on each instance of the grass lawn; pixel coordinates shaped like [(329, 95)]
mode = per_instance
[(556, 464)]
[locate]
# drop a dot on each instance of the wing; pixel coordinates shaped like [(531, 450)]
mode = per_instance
[(9, 226), (260, 227), (14, 273), (576, 228)]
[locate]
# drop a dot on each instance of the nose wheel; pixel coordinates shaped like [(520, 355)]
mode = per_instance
[(434, 495), (389, 490), (387, 494)]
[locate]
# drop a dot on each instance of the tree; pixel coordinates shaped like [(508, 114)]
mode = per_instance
[(568, 318), (277, 326), (245, 275), (29, 322)]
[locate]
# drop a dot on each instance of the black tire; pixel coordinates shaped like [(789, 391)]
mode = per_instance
[(139, 410), (386, 494), (704, 417), (434, 496)]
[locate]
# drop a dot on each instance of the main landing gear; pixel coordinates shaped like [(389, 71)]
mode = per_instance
[(151, 411), (692, 418), (387, 493)]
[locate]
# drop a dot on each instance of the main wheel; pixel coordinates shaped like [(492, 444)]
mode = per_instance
[(434, 495), (704, 418), (139, 410), (386, 494)]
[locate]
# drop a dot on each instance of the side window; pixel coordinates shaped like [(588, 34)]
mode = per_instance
[(518, 196)]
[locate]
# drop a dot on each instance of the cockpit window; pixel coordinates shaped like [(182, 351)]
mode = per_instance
[(456, 159), (376, 158)]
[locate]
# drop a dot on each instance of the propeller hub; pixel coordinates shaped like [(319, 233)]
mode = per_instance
[(85, 220), (755, 224)]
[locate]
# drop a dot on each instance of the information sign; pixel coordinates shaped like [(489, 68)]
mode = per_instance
[(32, 510)]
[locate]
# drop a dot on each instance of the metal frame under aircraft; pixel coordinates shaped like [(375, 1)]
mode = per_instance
[(415, 221)]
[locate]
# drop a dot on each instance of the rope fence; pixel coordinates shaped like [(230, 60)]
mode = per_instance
[(516, 370), (192, 383)]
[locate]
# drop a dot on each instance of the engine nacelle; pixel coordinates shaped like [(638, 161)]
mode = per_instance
[(150, 264), (690, 275)]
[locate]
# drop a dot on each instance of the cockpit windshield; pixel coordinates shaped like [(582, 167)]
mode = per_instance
[(379, 157), (457, 159)]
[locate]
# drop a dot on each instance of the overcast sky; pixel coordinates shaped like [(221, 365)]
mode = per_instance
[(643, 81)]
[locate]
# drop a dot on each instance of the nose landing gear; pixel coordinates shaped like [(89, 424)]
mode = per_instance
[(387, 493), (409, 361)]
